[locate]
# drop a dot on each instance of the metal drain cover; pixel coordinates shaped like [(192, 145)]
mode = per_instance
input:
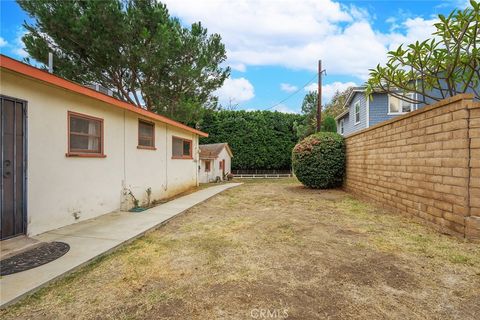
[(33, 258)]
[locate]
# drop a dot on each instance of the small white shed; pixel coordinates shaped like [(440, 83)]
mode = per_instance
[(215, 162)]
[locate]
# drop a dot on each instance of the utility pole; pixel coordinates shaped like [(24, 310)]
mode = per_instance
[(319, 98)]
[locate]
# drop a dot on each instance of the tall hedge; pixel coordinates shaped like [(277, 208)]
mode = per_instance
[(329, 124), (258, 139)]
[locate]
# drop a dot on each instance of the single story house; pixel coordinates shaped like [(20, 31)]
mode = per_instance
[(215, 162), (71, 153)]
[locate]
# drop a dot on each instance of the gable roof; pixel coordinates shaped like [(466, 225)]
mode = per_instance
[(41, 75), (211, 151), (350, 96)]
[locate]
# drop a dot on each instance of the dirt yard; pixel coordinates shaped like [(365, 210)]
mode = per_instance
[(274, 250)]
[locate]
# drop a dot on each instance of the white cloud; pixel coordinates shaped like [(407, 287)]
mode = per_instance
[(328, 90), (417, 29), (295, 34), (311, 87), (238, 67), (235, 91), (18, 47), (287, 87), (3, 42), (20, 51), (283, 108)]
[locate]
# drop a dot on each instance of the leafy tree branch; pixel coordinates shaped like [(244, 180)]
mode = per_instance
[(446, 65), (133, 47)]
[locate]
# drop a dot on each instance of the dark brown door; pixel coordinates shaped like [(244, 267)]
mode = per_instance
[(13, 167), (223, 168)]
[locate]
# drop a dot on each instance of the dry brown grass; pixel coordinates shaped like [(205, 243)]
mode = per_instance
[(276, 246)]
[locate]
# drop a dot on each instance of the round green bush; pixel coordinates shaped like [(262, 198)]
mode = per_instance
[(318, 161)]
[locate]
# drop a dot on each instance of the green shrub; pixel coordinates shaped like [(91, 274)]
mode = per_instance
[(318, 161), (329, 124)]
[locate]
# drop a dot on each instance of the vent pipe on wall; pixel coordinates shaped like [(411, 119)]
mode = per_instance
[(50, 62)]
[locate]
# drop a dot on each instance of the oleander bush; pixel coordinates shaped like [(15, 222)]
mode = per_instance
[(318, 161)]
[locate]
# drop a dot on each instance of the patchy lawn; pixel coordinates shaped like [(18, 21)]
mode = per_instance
[(274, 248)]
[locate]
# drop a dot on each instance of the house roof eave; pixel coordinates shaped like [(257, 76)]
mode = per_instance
[(26, 70), (352, 94), (341, 115), (229, 150), (214, 149)]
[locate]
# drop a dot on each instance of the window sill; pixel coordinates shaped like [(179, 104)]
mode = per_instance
[(396, 113), (85, 155), (184, 158), (357, 123), (146, 148)]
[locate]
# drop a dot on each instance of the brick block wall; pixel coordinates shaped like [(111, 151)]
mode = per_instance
[(472, 223), (425, 164)]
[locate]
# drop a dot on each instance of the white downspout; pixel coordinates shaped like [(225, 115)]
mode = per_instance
[(368, 112), (196, 162), (166, 158)]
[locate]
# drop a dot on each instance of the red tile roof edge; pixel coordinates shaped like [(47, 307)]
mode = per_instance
[(38, 74)]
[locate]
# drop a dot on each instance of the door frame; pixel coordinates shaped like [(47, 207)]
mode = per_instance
[(24, 160)]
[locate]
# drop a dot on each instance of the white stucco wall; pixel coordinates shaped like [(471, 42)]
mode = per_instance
[(215, 171), (228, 161), (207, 176), (60, 188)]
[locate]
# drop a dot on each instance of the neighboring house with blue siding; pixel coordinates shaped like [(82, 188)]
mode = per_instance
[(361, 113)]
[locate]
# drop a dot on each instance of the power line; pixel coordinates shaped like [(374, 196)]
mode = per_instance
[(294, 93)]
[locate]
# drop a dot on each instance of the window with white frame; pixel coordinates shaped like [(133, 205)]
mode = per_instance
[(396, 105), (342, 126), (357, 112)]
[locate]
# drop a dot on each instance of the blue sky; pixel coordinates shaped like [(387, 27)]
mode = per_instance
[(273, 46)]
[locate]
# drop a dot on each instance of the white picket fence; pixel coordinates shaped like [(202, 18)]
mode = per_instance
[(262, 176)]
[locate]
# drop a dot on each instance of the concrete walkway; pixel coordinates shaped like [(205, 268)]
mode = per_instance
[(95, 237)]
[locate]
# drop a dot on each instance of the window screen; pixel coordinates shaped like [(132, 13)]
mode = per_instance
[(85, 134), (146, 134), (181, 148)]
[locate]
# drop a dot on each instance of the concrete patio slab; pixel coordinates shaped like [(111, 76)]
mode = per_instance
[(13, 246), (95, 237)]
